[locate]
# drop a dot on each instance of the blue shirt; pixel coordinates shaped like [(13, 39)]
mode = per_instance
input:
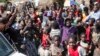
[(95, 15)]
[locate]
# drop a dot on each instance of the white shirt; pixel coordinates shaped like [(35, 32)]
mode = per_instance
[(44, 52), (95, 15), (54, 32), (81, 51), (55, 50)]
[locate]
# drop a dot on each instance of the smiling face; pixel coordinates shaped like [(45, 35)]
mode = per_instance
[(68, 23), (71, 42)]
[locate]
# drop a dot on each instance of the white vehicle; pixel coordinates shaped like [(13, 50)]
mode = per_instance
[(6, 49)]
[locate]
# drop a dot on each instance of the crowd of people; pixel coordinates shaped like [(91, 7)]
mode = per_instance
[(53, 30)]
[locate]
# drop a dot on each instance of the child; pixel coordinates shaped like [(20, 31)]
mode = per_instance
[(72, 48), (56, 49), (45, 36), (82, 48), (44, 50), (89, 30)]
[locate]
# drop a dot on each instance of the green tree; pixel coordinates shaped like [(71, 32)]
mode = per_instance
[(61, 2), (3, 0)]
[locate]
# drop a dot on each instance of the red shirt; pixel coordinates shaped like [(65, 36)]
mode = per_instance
[(44, 39), (73, 52), (88, 32)]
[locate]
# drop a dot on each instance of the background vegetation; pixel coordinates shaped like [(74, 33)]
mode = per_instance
[(3, 0)]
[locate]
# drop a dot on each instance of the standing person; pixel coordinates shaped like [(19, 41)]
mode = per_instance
[(65, 47), (56, 49), (44, 50), (5, 23), (72, 48), (95, 35), (97, 50), (96, 32), (81, 29), (89, 30), (44, 47), (59, 17), (82, 5), (95, 13), (83, 45), (68, 30), (9, 6), (45, 36), (85, 14), (55, 30), (36, 40), (28, 32)]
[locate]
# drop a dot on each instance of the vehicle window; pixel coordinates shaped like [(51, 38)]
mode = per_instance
[(5, 48)]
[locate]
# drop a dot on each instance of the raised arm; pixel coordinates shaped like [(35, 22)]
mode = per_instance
[(11, 19)]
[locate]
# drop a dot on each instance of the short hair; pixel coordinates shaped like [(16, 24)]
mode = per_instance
[(82, 34), (67, 19), (56, 36), (55, 25), (72, 39)]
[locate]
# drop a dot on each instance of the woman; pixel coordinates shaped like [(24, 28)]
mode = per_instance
[(67, 30)]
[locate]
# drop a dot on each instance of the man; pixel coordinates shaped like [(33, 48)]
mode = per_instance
[(96, 12)]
